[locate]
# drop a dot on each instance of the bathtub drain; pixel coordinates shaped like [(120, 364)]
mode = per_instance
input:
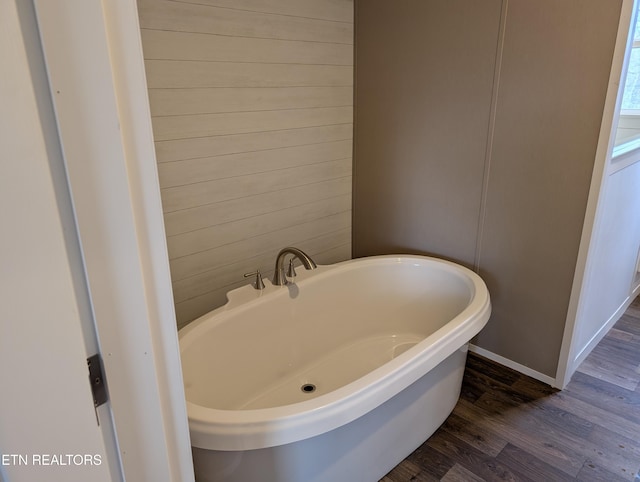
[(308, 388)]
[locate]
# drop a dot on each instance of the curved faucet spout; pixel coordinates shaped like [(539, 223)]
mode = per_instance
[(279, 277)]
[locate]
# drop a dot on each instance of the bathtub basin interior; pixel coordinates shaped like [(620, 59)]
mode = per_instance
[(327, 331)]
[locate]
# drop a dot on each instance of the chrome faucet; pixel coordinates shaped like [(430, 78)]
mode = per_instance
[(279, 276)]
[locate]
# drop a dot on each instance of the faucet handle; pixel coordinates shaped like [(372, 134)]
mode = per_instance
[(291, 272), (259, 284)]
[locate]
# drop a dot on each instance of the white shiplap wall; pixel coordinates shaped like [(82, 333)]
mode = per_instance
[(252, 110)]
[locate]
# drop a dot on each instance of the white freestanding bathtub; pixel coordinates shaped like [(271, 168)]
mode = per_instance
[(335, 378)]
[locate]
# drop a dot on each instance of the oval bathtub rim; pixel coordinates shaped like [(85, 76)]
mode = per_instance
[(241, 298), (243, 425), (217, 429)]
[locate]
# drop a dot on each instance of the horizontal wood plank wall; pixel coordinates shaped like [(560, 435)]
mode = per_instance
[(252, 110)]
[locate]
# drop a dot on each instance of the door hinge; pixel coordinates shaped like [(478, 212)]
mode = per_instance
[(97, 381)]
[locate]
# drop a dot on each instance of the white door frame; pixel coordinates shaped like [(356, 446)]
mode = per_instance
[(96, 74), (569, 360), (46, 329)]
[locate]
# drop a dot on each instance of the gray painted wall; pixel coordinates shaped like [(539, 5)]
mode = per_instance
[(491, 171), (424, 77)]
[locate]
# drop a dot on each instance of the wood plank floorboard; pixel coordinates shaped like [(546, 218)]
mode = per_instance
[(510, 427)]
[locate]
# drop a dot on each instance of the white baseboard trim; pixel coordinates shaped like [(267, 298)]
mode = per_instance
[(513, 365), (635, 292)]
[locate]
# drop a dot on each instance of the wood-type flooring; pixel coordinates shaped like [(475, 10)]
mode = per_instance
[(507, 426)]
